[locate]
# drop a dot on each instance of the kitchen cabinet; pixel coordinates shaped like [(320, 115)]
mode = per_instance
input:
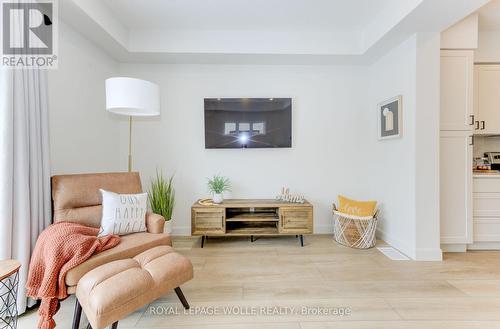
[(457, 123), (456, 187), (486, 215), (487, 99), (457, 77)]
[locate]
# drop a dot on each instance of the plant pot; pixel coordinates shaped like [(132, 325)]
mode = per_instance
[(168, 227), (217, 198)]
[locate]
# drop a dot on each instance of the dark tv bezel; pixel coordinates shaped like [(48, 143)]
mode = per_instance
[(245, 147)]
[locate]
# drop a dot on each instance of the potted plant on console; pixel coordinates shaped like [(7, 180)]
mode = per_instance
[(218, 185), (162, 199)]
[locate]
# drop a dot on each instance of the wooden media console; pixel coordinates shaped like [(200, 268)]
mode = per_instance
[(252, 217)]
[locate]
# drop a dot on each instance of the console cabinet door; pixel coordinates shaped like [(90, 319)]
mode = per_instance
[(207, 221), (296, 220)]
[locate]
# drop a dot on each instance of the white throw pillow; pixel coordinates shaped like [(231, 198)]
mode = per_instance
[(123, 213)]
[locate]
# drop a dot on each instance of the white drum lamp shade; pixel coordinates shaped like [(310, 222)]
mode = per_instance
[(132, 97)]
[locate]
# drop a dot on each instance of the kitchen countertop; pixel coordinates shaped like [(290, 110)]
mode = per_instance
[(486, 175)]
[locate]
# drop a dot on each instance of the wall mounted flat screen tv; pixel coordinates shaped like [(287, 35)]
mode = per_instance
[(248, 122)]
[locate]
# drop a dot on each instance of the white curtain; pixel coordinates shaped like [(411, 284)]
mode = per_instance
[(25, 203)]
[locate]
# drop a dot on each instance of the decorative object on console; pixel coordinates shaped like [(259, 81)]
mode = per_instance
[(206, 202), (123, 213), (162, 198), (287, 197), (134, 98), (218, 185), (355, 223), (389, 116)]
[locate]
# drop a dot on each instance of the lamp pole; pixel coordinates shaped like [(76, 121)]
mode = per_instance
[(130, 143)]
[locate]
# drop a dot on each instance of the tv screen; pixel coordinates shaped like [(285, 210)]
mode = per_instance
[(248, 122)]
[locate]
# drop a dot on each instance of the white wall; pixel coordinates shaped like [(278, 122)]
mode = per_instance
[(324, 159), (462, 35), (83, 136), (427, 142), (488, 50), (407, 169), (392, 161), (335, 148)]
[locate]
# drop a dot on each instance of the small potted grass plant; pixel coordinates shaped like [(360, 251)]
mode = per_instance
[(218, 185), (162, 198)]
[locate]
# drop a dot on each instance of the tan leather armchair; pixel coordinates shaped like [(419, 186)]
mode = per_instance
[(76, 198)]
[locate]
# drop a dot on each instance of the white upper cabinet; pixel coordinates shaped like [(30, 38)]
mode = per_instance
[(487, 99), (457, 76)]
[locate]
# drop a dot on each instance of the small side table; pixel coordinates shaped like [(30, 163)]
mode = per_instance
[(9, 280)]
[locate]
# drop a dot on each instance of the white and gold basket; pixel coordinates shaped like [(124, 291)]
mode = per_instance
[(354, 231)]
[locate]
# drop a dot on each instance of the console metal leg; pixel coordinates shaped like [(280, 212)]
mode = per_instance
[(301, 240), (251, 238), (77, 315), (202, 240), (182, 298)]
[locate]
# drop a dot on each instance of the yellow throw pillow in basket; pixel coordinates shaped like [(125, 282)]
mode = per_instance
[(357, 208)]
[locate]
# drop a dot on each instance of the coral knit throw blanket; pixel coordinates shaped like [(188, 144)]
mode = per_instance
[(59, 248)]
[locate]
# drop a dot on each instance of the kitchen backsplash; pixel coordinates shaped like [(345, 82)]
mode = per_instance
[(485, 144)]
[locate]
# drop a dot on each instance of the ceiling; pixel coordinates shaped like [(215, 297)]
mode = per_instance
[(257, 31), (338, 15)]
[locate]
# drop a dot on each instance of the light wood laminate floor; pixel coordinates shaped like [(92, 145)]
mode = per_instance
[(463, 291)]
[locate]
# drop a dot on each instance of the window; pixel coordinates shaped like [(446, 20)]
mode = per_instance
[(229, 128), (244, 127), (259, 128)]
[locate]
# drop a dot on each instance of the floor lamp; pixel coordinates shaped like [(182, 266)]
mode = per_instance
[(133, 98)]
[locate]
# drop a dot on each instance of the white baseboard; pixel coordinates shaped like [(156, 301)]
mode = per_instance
[(396, 243), (181, 230), (429, 254), (421, 254), (485, 245), (454, 247), (325, 229), (186, 230)]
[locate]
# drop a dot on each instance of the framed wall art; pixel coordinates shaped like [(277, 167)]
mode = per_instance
[(390, 123)]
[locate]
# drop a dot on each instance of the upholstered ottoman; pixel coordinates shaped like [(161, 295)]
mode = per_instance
[(111, 291)]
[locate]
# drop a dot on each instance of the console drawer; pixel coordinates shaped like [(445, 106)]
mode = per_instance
[(204, 221), (296, 220)]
